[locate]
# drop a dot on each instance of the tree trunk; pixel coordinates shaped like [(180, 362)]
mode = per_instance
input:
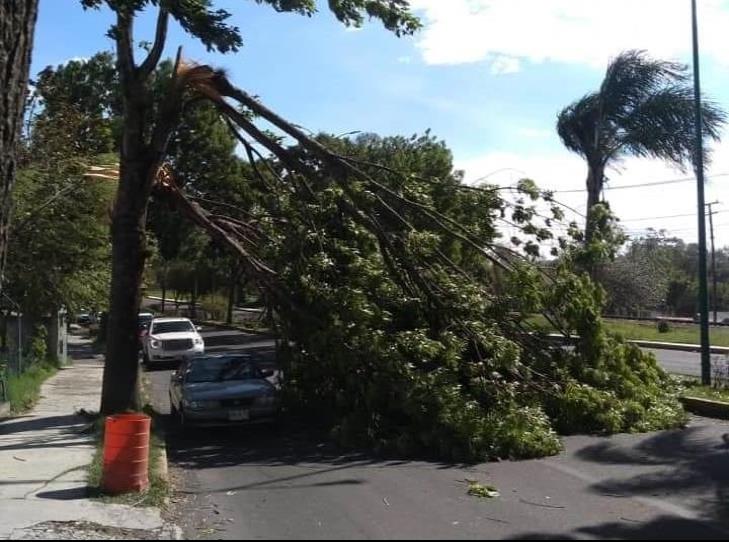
[(120, 391), (164, 286), (595, 177), (17, 25), (121, 374), (193, 301), (231, 293)]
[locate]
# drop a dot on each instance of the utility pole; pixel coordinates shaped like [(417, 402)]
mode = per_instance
[(714, 301), (699, 167)]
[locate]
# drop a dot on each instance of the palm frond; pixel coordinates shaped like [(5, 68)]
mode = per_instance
[(663, 125), (576, 125), (633, 76)]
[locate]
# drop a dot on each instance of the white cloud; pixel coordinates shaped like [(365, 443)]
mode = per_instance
[(505, 64), (570, 31), (563, 171)]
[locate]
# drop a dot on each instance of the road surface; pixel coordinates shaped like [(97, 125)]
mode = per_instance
[(287, 484)]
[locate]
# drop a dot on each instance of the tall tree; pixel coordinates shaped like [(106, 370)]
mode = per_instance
[(17, 25), (644, 108), (148, 125)]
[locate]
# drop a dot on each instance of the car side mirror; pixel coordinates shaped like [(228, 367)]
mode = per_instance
[(268, 373), (198, 328)]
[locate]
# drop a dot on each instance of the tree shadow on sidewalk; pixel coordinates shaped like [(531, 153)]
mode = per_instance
[(30, 423)]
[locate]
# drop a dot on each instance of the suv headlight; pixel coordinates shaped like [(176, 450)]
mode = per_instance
[(199, 341), (155, 343)]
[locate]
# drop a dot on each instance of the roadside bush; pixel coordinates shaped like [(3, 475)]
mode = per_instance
[(39, 344), (664, 327), (24, 389), (215, 305)]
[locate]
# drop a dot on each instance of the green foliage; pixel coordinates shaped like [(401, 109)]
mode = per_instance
[(664, 327), (59, 252), (481, 491), (395, 350), (38, 344), (214, 305), (199, 18), (88, 90), (24, 389)]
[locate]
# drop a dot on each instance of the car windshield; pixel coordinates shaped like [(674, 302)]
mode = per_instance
[(172, 327), (145, 320), (222, 370)]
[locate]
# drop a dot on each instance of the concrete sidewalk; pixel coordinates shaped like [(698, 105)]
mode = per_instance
[(43, 460)]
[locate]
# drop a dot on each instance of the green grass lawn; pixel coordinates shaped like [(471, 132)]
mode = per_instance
[(707, 392), (154, 496), (648, 331), (679, 333), (24, 389)]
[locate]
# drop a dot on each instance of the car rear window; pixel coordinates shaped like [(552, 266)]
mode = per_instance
[(222, 370), (172, 327)]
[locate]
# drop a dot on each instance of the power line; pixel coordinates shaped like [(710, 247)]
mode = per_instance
[(642, 185), (667, 216)]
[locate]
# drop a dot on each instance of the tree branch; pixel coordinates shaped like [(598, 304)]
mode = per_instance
[(159, 44), (124, 52)]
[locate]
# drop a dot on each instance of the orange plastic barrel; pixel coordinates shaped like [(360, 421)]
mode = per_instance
[(126, 453)]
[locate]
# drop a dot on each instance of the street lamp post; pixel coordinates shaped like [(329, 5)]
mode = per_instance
[(699, 167)]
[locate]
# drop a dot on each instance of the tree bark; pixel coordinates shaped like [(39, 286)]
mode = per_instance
[(164, 286), (232, 286), (193, 301), (595, 177), (17, 26), (121, 373), (142, 151)]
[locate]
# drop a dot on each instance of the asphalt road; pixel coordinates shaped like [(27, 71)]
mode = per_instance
[(686, 363), (285, 484)]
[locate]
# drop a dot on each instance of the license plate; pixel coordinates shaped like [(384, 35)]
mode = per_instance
[(239, 415)]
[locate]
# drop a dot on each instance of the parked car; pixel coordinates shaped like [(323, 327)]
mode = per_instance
[(84, 319), (225, 389), (145, 319), (171, 339)]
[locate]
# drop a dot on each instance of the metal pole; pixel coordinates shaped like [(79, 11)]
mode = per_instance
[(20, 342), (699, 167), (714, 301)]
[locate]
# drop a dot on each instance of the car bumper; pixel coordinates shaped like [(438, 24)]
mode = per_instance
[(176, 355), (222, 417)]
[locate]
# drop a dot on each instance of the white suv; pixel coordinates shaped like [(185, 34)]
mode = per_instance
[(171, 339)]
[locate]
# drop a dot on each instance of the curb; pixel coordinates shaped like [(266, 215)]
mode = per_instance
[(682, 347), (679, 346), (163, 470), (706, 407), (244, 329)]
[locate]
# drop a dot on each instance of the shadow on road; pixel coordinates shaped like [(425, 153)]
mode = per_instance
[(662, 528), (688, 467), (695, 463), (291, 444)]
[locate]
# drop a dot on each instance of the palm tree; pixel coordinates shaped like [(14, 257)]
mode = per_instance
[(644, 108)]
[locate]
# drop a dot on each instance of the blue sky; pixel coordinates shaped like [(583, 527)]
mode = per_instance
[(488, 76)]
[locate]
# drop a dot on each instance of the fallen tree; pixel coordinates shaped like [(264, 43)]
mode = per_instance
[(406, 315)]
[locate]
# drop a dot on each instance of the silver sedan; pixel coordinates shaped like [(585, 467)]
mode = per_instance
[(219, 390)]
